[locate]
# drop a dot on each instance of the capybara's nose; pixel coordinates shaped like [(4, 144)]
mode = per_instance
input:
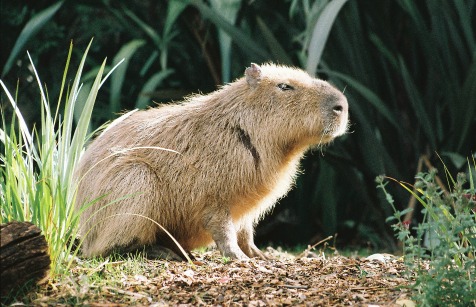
[(339, 104), (338, 109)]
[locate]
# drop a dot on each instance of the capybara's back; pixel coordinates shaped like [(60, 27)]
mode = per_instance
[(205, 169)]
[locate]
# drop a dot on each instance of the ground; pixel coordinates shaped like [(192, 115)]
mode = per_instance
[(308, 280)]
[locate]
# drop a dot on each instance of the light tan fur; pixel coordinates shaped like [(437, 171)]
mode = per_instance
[(237, 151)]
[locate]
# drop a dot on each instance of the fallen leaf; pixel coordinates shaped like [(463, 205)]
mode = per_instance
[(405, 303)]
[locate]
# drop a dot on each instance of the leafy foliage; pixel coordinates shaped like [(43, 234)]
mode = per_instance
[(408, 69), (441, 250)]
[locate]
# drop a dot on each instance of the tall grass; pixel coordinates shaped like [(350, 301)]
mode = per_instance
[(36, 177)]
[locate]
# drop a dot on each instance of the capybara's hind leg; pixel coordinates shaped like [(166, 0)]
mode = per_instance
[(155, 252), (128, 218)]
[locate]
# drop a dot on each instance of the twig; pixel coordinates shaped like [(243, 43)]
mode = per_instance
[(309, 248), (437, 178), (411, 204), (130, 293), (369, 288), (295, 287)]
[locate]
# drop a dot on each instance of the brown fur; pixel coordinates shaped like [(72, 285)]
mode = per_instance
[(237, 153)]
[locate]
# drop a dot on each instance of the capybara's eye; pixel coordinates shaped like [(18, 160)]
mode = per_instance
[(285, 87)]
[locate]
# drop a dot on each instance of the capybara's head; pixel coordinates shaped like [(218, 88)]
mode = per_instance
[(292, 101)]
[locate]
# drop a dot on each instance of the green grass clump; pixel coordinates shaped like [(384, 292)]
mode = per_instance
[(440, 252), (37, 166)]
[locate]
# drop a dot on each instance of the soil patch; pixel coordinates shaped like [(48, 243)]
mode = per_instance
[(212, 281)]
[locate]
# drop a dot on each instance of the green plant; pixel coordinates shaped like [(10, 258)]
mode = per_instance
[(441, 250), (160, 53), (407, 68), (36, 177), (225, 260)]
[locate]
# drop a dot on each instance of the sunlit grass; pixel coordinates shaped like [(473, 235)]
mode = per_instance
[(37, 165)]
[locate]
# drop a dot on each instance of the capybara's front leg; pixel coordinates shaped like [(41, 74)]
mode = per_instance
[(246, 242), (223, 232)]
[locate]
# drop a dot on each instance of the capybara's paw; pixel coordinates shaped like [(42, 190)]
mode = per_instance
[(256, 252), (253, 252), (235, 254)]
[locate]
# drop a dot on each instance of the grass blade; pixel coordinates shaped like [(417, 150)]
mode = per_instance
[(81, 130), (465, 18), (228, 10), (25, 132), (417, 104), (144, 99), (174, 9), (153, 35), (245, 42), (320, 34), (466, 112), (117, 80), (31, 28), (277, 51)]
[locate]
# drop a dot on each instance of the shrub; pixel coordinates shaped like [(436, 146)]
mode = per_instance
[(440, 252)]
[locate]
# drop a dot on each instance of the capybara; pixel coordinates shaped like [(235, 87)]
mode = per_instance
[(206, 169)]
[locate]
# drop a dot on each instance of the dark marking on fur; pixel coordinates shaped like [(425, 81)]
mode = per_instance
[(245, 139)]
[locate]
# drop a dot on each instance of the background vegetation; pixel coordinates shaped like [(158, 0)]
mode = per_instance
[(407, 67)]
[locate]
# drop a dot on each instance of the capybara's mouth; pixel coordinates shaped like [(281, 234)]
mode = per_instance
[(342, 126), (336, 128), (332, 131)]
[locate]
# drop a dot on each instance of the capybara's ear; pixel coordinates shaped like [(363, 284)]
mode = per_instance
[(253, 74)]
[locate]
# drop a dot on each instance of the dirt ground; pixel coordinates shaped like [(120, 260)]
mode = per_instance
[(312, 280)]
